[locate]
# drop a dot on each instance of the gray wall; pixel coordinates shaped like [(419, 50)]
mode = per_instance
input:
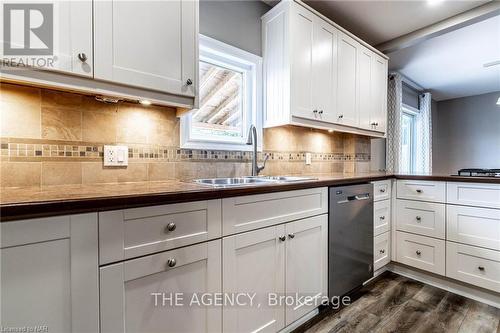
[(467, 133), (234, 22)]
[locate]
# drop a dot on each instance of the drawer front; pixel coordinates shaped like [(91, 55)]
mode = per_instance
[(250, 212), (474, 226), (421, 190), (381, 217), (382, 190), (422, 218), (421, 252), (129, 233), (381, 250), (480, 267), (472, 194)]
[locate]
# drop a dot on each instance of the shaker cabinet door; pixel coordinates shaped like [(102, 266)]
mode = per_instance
[(254, 262), (347, 84), (147, 44), (133, 291), (306, 263)]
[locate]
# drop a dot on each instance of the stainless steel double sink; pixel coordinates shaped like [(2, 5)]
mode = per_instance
[(251, 180)]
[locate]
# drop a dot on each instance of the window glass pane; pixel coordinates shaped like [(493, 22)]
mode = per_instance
[(407, 142), (221, 103)]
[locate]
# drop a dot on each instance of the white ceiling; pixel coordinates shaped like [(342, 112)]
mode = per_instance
[(451, 65), (379, 21)]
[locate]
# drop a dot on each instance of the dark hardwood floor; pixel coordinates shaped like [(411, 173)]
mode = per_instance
[(394, 303)]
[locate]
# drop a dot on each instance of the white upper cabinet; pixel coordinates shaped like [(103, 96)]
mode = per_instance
[(378, 110), (348, 64), (313, 59), (148, 44), (318, 75)]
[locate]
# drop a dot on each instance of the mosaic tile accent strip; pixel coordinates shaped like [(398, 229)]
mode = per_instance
[(89, 151)]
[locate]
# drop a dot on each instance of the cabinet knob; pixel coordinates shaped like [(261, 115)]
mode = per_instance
[(419, 190), (341, 116), (382, 218), (291, 236), (315, 111), (320, 112), (282, 238), (419, 218), (418, 252), (170, 227), (481, 268), (171, 262), (82, 57), (382, 190), (382, 251), (189, 82)]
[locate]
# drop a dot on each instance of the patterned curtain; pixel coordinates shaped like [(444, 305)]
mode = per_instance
[(394, 111), (423, 156)]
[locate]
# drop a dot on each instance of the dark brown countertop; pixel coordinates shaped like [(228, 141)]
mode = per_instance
[(22, 203)]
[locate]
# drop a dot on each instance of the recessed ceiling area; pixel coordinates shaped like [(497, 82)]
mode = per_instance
[(380, 21), (452, 65)]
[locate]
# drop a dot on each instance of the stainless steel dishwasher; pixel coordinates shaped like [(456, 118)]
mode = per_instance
[(350, 238)]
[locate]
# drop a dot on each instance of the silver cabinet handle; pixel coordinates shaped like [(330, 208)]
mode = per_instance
[(382, 218), (282, 238), (418, 252), (320, 112), (291, 236), (82, 57), (419, 190), (382, 251), (341, 116), (419, 218), (382, 190), (315, 111), (170, 227), (171, 262), (481, 268), (189, 82)]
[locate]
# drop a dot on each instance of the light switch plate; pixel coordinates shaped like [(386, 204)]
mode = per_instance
[(308, 158), (115, 155)]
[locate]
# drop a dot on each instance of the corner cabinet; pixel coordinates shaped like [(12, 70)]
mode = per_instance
[(49, 274), (318, 75)]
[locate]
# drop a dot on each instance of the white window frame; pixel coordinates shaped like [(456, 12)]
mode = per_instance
[(411, 111), (222, 54)]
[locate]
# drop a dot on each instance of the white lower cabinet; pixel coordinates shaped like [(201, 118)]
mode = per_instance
[(132, 292), (49, 274), (381, 217), (422, 252), (474, 265), (287, 259), (381, 250)]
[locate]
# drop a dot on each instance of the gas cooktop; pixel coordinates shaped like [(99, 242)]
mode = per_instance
[(479, 172)]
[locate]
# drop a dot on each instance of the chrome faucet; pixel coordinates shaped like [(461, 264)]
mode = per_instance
[(252, 140)]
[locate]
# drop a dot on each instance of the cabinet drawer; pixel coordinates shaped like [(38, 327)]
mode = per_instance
[(474, 226), (381, 250), (129, 233), (382, 190), (381, 216), (480, 267), (422, 218), (472, 194), (250, 212), (421, 190), (421, 252)]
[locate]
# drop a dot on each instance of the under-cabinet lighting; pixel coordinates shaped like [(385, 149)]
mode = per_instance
[(434, 2), (330, 131), (145, 102)]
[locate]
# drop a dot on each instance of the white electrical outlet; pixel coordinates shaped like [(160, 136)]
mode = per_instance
[(308, 158), (115, 155)]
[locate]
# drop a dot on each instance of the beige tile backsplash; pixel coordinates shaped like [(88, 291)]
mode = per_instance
[(54, 138)]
